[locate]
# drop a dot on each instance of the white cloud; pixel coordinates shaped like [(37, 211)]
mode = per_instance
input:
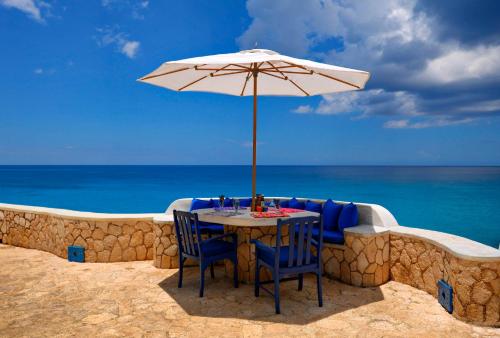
[(305, 109), (366, 103), (110, 36), (44, 71), (460, 64), (415, 71), (428, 123), (32, 8), (130, 48), (136, 7)]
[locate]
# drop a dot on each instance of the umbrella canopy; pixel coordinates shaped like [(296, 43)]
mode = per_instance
[(279, 75)]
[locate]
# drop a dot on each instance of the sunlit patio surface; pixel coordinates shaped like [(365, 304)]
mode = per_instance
[(44, 295)]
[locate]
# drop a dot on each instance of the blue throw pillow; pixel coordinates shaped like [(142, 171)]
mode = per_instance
[(331, 212), (200, 204), (313, 206), (285, 204), (348, 216), (245, 202), (295, 204)]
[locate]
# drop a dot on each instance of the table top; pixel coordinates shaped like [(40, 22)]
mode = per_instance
[(243, 218)]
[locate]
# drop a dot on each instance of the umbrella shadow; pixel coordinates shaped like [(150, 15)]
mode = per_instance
[(222, 300)]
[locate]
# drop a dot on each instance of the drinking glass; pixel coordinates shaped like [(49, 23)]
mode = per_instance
[(277, 203), (236, 205)]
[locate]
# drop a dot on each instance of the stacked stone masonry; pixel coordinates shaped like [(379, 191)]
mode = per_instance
[(476, 285), (103, 240), (362, 261)]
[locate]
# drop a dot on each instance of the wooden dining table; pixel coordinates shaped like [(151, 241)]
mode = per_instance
[(248, 227)]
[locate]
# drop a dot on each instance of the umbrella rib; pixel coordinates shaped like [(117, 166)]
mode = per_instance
[(276, 76), (288, 72), (277, 70), (245, 84), (296, 85), (166, 73), (230, 73), (325, 75), (192, 83), (201, 78), (288, 79), (339, 80)]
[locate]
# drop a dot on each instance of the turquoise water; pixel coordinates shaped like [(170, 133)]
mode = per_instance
[(459, 200)]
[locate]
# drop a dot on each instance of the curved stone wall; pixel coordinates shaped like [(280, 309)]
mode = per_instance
[(105, 237), (420, 262), (372, 254)]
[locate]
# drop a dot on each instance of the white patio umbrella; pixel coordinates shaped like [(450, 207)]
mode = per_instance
[(280, 75)]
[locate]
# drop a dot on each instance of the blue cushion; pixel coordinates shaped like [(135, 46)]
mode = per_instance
[(228, 202), (331, 212), (285, 204), (329, 236), (267, 255), (313, 206), (245, 202), (295, 204), (216, 247), (348, 216), (200, 204)]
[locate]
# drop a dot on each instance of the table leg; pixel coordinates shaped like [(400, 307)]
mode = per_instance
[(246, 251)]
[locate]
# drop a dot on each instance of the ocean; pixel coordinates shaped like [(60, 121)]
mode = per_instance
[(460, 200)]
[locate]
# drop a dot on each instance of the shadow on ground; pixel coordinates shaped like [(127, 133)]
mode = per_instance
[(221, 300)]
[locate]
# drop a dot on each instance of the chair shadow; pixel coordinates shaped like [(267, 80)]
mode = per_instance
[(222, 300)]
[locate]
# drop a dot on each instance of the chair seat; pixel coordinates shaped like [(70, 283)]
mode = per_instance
[(330, 236), (267, 255), (212, 228), (216, 247)]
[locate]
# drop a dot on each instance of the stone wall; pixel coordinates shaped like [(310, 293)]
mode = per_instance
[(362, 261), (476, 284), (112, 240)]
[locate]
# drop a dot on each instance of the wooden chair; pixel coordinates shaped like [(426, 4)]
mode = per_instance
[(206, 252), (294, 259)]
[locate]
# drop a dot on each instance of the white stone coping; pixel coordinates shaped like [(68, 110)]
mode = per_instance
[(458, 246), (367, 230), (80, 215)]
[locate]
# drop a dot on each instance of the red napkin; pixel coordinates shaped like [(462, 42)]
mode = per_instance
[(290, 210), (269, 214)]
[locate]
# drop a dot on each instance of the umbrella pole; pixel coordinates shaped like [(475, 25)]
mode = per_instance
[(254, 159)]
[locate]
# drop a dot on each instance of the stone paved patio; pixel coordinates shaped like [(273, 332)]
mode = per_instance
[(44, 295)]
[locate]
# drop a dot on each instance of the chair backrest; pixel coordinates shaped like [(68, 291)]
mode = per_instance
[(300, 239), (187, 230)]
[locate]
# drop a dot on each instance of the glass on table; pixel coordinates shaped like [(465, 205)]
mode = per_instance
[(236, 205), (277, 203)]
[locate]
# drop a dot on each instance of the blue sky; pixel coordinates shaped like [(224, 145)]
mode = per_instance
[(69, 93)]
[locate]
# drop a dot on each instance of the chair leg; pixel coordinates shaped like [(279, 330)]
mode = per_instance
[(202, 279), (212, 273), (181, 269), (320, 291), (235, 272), (301, 281), (257, 278), (276, 278)]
